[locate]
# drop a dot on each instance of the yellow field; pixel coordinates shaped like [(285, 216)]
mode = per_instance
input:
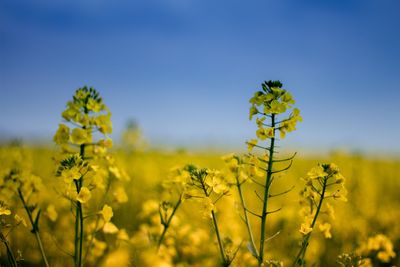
[(372, 209), (82, 203)]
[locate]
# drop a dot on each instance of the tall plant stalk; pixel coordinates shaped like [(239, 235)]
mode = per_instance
[(35, 227), (267, 105), (79, 230), (268, 181)]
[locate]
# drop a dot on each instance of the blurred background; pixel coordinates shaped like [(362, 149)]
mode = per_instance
[(184, 70), (177, 76)]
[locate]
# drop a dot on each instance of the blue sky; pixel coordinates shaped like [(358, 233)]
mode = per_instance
[(185, 69)]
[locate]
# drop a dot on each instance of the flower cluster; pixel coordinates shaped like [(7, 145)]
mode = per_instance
[(85, 166), (206, 185), (378, 248), (88, 114), (269, 102), (322, 182)]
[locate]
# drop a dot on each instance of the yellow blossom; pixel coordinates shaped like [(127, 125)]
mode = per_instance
[(98, 247), (120, 195), (107, 143), (260, 121), (110, 228), (325, 228), (4, 210), (62, 135), (93, 105), (71, 174), (104, 123), (216, 182), (20, 220), (80, 136), (251, 144), (207, 206), (316, 172), (264, 133), (305, 228), (253, 111), (275, 107), (51, 212), (84, 195), (123, 235), (107, 213)]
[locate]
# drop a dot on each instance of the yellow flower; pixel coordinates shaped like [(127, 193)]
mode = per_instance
[(316, 172), (82, 119), (62, 135), (260, 121), (98, 247), (84, 195), (107, 213), (381, 244), (231, 161), (4, 210), (71, 112), (51, 212), (216, 182), (120, 195), (20, 220), (107, 143), (275, 107), (115, 171), (253, 111), (81, 94), (264, 133), (207, 206), (251, 144), (104, 123), (93, 105), (71, 174), (330, 211), (305, 228), (110, 228), (340, 194), (325, 228), (80, 136), (123, 235), (287, 98)]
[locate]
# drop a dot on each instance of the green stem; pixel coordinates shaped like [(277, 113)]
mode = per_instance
[(266, 194), (225, 262), (11, 258), (35, 229), (246, 218), (79, 232), (77, 215), (168, 223), (300, 256)]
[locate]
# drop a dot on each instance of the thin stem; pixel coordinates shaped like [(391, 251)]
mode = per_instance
[(35, 229), (300, 256), (246, 218), (10, 254), (79, 217), (76, 256), (81, 234), (225, 262), (266, 194), (168, 223)]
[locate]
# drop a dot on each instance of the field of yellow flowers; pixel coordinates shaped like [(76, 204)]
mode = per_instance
[(87, 202)]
